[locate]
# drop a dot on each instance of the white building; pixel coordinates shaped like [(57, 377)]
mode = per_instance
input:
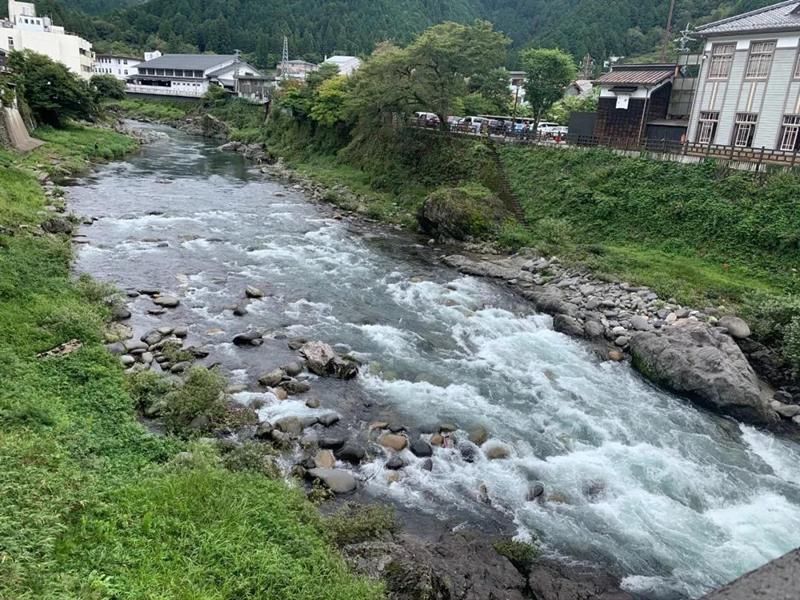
[(191, 76), (117, 65), (748, 90), (296, 70), (25, 30), (347, 64)]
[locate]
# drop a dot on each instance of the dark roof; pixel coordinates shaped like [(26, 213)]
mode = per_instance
[(194, 62), (637, 75), (120, 56), (783, 16)]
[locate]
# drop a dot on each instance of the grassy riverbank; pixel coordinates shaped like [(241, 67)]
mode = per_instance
[(92, 505)]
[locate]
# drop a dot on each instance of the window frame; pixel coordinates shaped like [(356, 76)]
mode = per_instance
[(739, 123), (795, 132), (728, 56), (702, 123), (761, 62)]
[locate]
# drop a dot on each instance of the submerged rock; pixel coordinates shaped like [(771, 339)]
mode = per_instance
[(706, 366), (166, 301), (337, 480), (249, 338)]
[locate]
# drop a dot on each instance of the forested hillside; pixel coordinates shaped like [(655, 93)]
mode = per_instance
[(319, 27)]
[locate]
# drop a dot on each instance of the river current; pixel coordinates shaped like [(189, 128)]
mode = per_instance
[(674, 500)]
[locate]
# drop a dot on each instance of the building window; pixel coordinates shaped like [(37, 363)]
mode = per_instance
[(790, 133), (126, 71), (10, 43), (721, 61), (745, 129), (708, 127), (760, 60)]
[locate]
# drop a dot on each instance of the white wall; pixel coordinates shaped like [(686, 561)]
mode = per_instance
[(70, 50), (120, 68)]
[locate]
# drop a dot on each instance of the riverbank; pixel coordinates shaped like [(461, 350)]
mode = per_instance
[(90, 497)]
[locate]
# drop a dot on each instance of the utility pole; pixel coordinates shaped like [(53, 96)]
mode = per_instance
[(668, 32), (285, 59), (236, 72)]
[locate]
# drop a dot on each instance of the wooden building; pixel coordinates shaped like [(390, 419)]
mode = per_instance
[(631, 96)]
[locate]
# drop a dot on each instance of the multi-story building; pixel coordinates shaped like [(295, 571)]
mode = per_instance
[(347, 64), (115, 64), (748, 92), (191, 76), (25, 30)]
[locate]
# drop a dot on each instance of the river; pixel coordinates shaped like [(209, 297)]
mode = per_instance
[(674, 500)]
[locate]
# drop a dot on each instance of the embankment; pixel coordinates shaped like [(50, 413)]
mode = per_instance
[(91, 504)]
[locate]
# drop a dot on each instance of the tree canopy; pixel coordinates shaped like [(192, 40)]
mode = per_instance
[(548, 73)]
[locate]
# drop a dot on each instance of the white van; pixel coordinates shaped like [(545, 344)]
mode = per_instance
[(474, 124)]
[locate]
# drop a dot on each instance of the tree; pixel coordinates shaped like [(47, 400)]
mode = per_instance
[(548, 73), (430, 74), (53, 94), (561, 110), (329, 104), (494, 90), (107, 87)]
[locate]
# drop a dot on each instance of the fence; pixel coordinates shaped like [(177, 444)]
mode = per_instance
[(758, 160)]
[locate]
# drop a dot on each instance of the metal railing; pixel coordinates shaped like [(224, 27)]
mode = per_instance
[(156, 90)]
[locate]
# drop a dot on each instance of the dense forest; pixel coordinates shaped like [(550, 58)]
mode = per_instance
[(319, 27)]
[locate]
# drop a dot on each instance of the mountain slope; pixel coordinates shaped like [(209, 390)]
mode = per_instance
[(319, 27)]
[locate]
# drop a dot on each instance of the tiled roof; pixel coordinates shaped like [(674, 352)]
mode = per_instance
[(193, 62), (782, 16), (630, 75)]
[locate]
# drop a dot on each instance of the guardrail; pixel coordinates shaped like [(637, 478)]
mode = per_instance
[(155, 90), (739, 157)]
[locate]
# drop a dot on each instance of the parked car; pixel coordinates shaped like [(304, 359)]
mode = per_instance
[(473, 124), (548, 127), (427, 119)]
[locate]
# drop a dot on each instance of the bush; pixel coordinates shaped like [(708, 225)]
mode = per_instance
[(356, 523), (147, 389), (251, 457), (791, 344), (107, 87), (198, 405), (53, 94), (468, 211), (521, 554), (769, 315)]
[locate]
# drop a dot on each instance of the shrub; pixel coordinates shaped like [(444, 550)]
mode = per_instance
[(521, 554), (769, 315), (107, 87), (791, 343), (356, 523), (148, 388), (198, 405), (462, 212), (251, 457)]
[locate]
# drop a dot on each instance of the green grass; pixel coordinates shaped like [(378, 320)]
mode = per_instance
[(92, 506), (155, 110)]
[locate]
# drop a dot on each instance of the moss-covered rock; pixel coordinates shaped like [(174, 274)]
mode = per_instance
[(468, 211)]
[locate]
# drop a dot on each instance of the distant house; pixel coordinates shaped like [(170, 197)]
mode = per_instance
[(748, 92), (191, 76), (516, 83), (631, 97), (26, 30), (347, 64), (580, 87), (115, 64), (297, 70)]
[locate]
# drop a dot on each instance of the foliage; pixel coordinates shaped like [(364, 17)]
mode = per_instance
[(521, 554), (251, 457), (153, 110), (146, 388), (50, 90), (198, 405), (548, 73), (107, 87), (467, 211), (492, 88), (91, 504), (356, 523), (791, 343), (329, 106), (216, 94), (561, 110)]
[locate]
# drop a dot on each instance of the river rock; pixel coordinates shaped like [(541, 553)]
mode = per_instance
[(293, 369), (151, 337), (395, 463), (324, 459), (120, 313), (263, 431), (705, 365), (787, 411), (457, 566), (331, 441), (180, 367), (181, 331), (329, 419), (427, 465), (640, 323), (249, 338), (393, 441), (437, 439), (291, 425), (240, 309), (166, 301), (271, 379), (317, 355), (535, 491), (737, 328), (594, 329), (568, 325), (478, 435), (294, 387), (497, 452), (351, 452), (117, 348), (127, 360), (337, 480), (468, 451), (550, 580), (421, 448), (253, 292), (312, 402), (132, 346), (622, 341), (58, 225)]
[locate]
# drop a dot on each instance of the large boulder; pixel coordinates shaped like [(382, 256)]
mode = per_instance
[(322, 360), (705, 365), (460, 213), (554, 581), (458, 566), (338, 481)]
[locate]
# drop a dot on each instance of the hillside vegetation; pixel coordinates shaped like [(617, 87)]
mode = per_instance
[(319, 27)]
